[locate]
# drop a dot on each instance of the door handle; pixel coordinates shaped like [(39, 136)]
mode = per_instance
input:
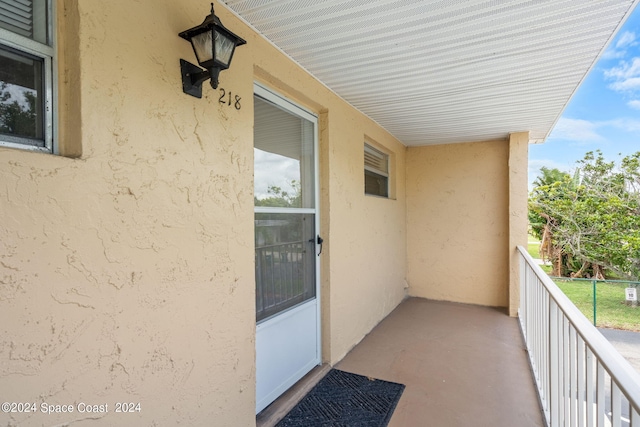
[(319, 240)]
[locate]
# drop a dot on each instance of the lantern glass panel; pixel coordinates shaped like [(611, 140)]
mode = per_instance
[(202, 46), (224, 48)]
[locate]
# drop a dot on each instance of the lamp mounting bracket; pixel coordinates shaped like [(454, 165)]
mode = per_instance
[(192, 78)]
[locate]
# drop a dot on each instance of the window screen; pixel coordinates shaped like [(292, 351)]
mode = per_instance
[(26, 75), (376, 172)]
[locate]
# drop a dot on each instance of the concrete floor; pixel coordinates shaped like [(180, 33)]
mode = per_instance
[(462, 365)]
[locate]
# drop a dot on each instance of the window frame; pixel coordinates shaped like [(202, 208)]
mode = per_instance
[(369, 148), (47, 53)]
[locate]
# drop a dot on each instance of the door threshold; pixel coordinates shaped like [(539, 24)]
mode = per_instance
[(280, 407)]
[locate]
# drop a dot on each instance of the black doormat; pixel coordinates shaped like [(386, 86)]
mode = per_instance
[(342, 399)]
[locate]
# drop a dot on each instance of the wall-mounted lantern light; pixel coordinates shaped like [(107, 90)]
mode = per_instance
[(213, 45)]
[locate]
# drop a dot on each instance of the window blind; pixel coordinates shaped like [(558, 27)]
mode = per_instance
[(17, 16), (375, 161)]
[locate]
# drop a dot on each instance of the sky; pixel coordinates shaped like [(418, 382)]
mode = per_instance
[(604, 113), (273, 169)]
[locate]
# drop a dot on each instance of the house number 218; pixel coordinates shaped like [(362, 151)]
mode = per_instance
[(227, 98)]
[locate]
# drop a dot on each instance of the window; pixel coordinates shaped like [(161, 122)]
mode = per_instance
[(376, 172), (26, 74)]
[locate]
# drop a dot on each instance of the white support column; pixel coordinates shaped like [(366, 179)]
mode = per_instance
[(518, 218)]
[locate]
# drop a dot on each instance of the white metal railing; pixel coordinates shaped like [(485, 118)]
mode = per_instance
[(582, 380)]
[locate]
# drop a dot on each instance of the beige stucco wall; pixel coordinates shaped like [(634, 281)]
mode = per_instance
[(367, 237), (458, 217), (518, 211), (127, 274)]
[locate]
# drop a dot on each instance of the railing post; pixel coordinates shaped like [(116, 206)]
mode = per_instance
[(616, 402), (554, 398), (595, 300), (591, 389), (580, 398), (600, 396)]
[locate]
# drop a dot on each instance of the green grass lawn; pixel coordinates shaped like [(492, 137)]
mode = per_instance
[(534, 246), (612, 312), (534, 250)]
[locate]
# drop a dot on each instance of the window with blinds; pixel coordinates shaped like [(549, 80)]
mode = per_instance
[(27, 18), (26, 74), (376, 172)]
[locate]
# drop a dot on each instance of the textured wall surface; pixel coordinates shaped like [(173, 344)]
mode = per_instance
[(458, 222), (127, 273), (518, 211), (367, 236)]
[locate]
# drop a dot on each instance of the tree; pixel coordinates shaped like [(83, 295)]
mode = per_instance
[(17, 118), (593, 219), (548, 183), (280, 198)]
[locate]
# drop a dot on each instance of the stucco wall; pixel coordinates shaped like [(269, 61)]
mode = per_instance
[(518, 211), (127, 274), (367, 236), (457, 214)]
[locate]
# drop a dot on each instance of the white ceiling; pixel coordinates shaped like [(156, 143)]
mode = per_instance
[(434, 72)]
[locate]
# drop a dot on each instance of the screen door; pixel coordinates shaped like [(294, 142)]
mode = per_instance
[(286, 260)]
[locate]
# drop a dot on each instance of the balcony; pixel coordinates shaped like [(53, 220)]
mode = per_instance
[(462, 365), (471, 365)]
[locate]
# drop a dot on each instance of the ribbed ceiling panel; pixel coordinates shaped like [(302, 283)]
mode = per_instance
[(445, 71)]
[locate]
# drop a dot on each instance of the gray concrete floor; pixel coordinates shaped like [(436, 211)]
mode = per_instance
[(626, 342), (462, 365)]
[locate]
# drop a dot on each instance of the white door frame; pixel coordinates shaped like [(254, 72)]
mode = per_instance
[(279, 100)]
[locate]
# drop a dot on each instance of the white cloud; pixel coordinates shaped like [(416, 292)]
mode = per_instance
[(628, 125), (625, 40), (612, 53), (635, 103), (625, 69), (577, 130), (626, 85), (273, 169), (626, 76), (587, 132)]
